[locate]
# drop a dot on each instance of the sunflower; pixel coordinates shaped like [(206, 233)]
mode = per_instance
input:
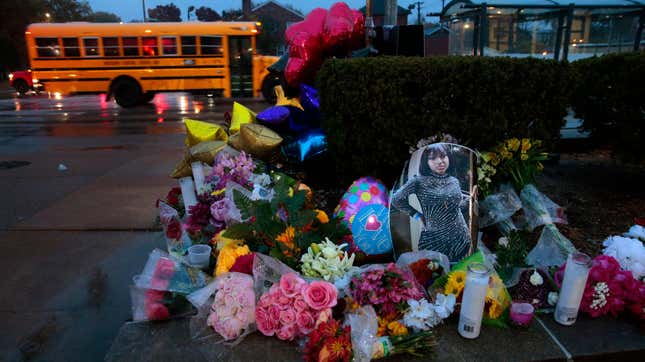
[(453, 288), (458, 277), (494, 308)]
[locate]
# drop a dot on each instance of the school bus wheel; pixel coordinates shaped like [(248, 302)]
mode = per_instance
[(146, 97), (126, 91), (21, 86)]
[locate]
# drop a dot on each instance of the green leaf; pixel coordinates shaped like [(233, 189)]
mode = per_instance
[(238, 231), (243, 203)]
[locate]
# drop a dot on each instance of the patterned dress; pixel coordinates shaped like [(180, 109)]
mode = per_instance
[(440, 198)]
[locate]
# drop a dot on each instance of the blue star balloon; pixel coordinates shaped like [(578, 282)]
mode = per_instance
[(307, 145)]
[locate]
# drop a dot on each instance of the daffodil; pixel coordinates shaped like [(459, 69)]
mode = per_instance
[(526, 145), (513, 144)]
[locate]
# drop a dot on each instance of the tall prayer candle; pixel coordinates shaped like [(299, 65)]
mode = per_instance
[(198, 175), (472, 305), (188, 192), (573, 286)]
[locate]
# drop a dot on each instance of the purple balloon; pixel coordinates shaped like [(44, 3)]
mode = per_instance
[(274, 116), (309, 98)]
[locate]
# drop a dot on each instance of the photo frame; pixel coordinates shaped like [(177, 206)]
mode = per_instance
[(433, 204)]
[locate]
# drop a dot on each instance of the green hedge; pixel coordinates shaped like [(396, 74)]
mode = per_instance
[(610, 98), (374, 109)]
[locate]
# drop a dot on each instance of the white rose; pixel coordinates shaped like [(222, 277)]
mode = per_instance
[(536, 278), (552, 298)]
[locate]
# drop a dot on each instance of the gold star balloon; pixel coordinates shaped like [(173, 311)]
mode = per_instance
[(199, 131)]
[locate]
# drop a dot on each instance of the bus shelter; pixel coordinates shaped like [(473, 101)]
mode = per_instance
[(551, 29)]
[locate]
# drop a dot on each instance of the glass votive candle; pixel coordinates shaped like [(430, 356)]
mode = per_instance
[(522, 313)]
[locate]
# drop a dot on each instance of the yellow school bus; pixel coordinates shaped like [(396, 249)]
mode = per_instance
[(131, 62)]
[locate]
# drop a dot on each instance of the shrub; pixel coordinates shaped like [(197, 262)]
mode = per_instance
[(375, 108), (610, 98)]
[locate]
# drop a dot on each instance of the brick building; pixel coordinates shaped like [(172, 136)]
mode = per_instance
[(275, 19)]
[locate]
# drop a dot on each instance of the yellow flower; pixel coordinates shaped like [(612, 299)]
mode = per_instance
[(382, 326), (526, 145), (218, 192), (322, 216), (524, 157), (227, 256), (458, 277), (495, 159), (395, 328), (453, 288), (494, 309), (513, 144), (287, 236), (505, 154)]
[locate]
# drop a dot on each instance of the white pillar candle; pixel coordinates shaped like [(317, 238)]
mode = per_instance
[(573, 286), (474, 298), (198, 175), (188, 192)]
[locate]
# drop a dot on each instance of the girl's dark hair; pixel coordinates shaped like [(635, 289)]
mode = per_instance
[(431, 152)]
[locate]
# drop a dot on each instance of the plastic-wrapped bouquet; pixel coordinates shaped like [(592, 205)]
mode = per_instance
[(326, 260), (330, 341), (423, 315), (233, 310), (387, 288), (293, 307)]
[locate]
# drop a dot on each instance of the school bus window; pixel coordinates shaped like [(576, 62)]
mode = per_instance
[(169, 45), (91, 47), (130, 46), (111, 47), (188, 45), (211, 45), (150, 48), (47, 47), (70, 47)]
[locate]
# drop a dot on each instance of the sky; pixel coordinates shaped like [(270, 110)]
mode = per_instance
[(133, 9)]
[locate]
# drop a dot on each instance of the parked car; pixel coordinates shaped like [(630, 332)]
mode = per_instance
[(23, 82)]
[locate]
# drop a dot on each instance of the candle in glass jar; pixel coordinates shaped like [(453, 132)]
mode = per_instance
[(473, 300), (573, 286), (198, 175), (188, 192)]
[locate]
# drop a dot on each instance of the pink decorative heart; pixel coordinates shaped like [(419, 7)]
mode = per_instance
[(372, 223)]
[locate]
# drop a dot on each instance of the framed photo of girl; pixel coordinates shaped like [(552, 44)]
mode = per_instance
[(434, 203)]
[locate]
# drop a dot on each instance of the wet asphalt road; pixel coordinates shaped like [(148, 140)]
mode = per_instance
[(79, 178), (92, 115)]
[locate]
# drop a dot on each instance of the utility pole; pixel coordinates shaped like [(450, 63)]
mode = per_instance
[(143, 4), (417, 5)]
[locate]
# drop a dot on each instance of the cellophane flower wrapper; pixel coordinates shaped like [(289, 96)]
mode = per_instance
[(267, 271), (551, 249), (364, 327), (408, 259), (539, 209), (177, 240), (165, 273), (225, 310), (157, 305), (499, 206)]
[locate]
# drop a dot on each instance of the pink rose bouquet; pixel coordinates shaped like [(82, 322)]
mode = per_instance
[(610, 290), (233, 310), (292, 308)]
